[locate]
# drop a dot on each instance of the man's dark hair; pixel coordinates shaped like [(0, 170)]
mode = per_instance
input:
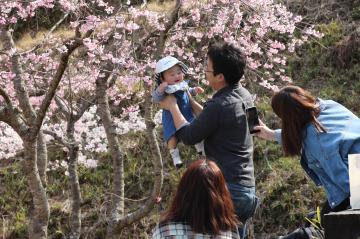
[(227, 60)]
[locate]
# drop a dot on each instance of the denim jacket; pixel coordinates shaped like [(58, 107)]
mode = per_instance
[(324, 155)]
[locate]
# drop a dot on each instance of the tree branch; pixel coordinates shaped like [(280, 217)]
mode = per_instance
[(6, 97), (9, 114), (116, 207), (3, 115), (36, 93), (151, 135), (20, 89), (71, 45), (84, 107), (62, 106), (174, 16), (56, 137)]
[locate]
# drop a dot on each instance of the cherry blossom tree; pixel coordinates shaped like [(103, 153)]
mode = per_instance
[(109, 60)]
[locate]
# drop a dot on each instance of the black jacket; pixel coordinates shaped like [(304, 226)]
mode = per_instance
[(223, 125)]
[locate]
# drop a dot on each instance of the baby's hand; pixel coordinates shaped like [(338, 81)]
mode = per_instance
[(162, 86), (199, 90)]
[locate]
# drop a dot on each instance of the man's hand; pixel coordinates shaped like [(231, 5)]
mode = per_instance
[(168, 102), (199, 90)]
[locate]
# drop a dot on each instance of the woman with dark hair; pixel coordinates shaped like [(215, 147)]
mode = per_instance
[(323, 133), (202, 206)]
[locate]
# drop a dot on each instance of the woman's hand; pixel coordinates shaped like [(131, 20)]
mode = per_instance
[(168, 102), (264, 131)]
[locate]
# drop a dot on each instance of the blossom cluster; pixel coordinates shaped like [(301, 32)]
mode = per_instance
[(127, 44)]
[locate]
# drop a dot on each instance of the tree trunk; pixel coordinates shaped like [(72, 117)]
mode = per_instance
[(116, 208), (158, 169), (42, 157), (75, 217), (40, 214)]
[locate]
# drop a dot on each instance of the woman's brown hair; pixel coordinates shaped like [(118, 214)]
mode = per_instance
[(202, 200), (296, 108)]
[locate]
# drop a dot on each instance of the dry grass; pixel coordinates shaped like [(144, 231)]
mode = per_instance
[(27, 42), (160, 7)]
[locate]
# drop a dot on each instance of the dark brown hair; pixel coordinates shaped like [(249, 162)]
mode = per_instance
[(202, 200), (296, 108), (227, 60)]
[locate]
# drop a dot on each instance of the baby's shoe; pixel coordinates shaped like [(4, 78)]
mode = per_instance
[(175, 155), (200, 148)]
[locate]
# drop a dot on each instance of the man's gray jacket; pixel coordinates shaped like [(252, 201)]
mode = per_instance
[(223, 126)]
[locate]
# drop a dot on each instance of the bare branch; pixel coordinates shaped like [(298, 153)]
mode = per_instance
[(3, 114), (174, 16), (6, 39), (62, 105), (10, 115), (6, 97), (86, 104), (36, 93), (116, 207), (56, 137), (4, 53)]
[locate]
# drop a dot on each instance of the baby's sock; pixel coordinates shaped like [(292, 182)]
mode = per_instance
[(200, 148), (175, 155)]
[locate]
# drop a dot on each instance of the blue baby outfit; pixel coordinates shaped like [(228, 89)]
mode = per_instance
[(183, 101), (185, 108)]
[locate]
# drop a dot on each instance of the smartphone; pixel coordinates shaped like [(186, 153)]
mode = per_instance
[(253, 119)]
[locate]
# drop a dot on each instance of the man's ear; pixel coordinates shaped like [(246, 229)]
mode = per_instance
[(220, 78)]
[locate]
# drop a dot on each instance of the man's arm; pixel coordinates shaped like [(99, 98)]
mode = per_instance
[(196, 107), (169, 103), (200, 128)]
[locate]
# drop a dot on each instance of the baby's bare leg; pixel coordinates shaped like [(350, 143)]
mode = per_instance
[(172, 143)]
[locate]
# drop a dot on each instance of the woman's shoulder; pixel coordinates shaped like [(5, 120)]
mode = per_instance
[(167, 229), (332, 107), (183, 230)]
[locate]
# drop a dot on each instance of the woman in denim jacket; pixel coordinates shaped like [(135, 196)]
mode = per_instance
[(323, 133)]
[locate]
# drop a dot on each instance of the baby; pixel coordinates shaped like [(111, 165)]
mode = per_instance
[(170, 79)]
